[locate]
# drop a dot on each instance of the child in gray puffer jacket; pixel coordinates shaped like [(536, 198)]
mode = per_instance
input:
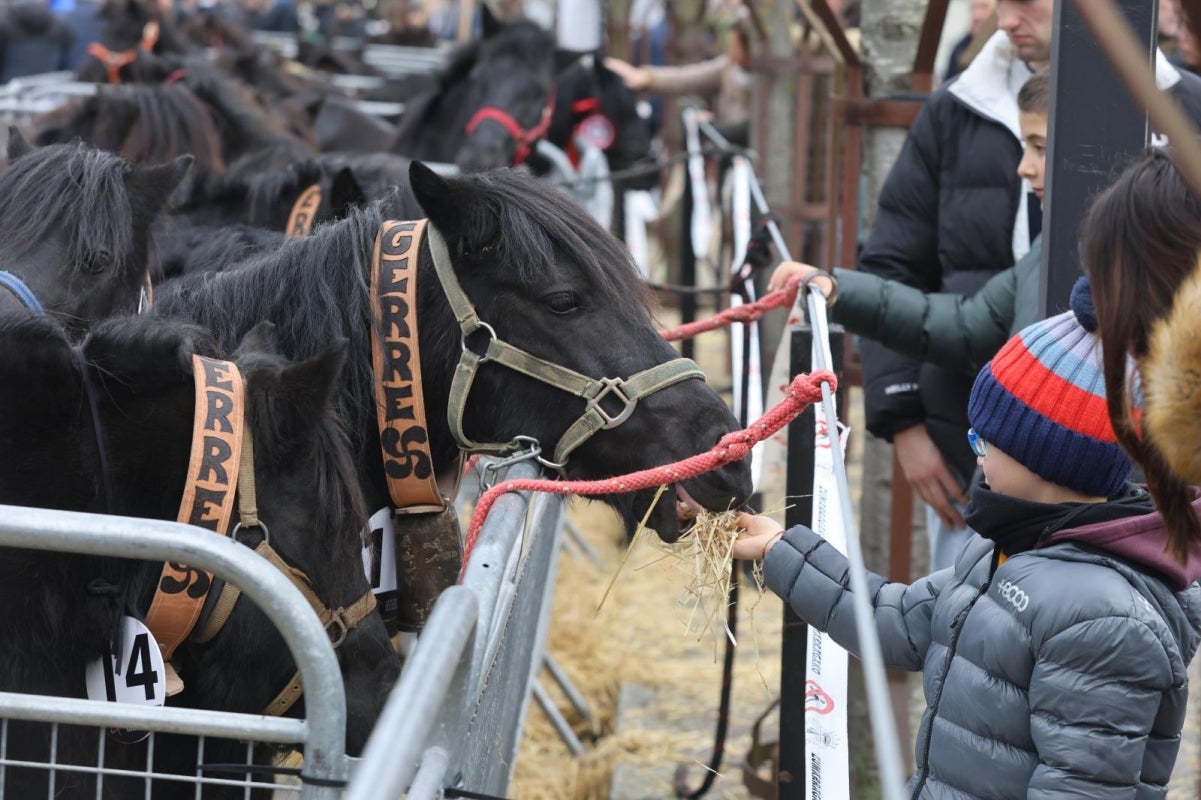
[(1055, 650)]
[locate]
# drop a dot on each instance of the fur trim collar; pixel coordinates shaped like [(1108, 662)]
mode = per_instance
[(1171, 383)]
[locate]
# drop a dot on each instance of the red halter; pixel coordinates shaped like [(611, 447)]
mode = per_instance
[(113, 62), (525, 139)]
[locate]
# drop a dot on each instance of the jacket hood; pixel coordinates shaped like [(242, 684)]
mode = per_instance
[(1141, 540), (989, 87), (30, 19), (1171, 383)]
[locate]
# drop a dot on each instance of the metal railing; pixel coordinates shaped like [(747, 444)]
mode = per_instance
[(456, 715), (321, 735)]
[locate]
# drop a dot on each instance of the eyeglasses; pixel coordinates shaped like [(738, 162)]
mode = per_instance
[(976, 442)]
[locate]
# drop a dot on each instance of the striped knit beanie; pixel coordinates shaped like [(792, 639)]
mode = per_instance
[(1041, 401)]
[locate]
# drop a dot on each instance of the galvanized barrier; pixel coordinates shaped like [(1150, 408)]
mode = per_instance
[(455, 717), (321, 735)]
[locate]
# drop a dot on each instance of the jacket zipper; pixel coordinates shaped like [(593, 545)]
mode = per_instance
[(956, 629)]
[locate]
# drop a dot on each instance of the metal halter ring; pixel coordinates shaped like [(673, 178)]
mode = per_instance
[(613, 386), (491, 332), (238, 527)]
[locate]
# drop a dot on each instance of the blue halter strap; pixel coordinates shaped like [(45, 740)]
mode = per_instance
[(23, 292)]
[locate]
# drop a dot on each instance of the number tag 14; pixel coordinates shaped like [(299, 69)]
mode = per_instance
[(142, 679)]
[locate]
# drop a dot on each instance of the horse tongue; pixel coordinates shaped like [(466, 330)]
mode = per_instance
[(174, 682)]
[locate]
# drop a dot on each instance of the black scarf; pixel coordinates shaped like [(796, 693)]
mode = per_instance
[(1017, 525)]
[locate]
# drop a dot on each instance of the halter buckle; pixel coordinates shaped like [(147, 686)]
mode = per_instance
[(337, 620), (614, 386)]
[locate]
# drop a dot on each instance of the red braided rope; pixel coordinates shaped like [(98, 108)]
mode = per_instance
[(749, 312), (802, 392)]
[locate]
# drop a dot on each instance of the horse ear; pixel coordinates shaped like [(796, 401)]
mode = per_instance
[(150, 187), (262, 338), (450, 205), (491, 25), (345, 193), (17, 144), (309, 385)]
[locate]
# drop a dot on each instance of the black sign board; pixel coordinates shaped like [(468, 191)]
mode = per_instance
[(1095, 129)]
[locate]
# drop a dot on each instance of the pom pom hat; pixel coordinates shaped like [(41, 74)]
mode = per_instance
[(1041, 401)]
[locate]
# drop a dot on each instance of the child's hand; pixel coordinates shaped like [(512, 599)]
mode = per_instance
[(759, 535), (790, 269)]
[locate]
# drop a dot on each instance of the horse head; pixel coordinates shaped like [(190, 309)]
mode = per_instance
[(136, 376), (76, 222), (490, 102), (593, 103), (548, 280), (132, 34), (312, 512)]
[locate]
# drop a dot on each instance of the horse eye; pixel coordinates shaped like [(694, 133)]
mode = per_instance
[(97, 261), (562, 302)]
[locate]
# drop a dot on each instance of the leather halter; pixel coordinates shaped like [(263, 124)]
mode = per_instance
[(114, 61), (627, 391), (23, 293), (525, 139), (338, 622), (304, 212), (208, 498), (396, 365)]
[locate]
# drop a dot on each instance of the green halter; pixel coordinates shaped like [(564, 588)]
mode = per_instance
[(595, 418)]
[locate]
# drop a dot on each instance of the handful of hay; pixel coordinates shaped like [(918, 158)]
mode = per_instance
[(705, 554)]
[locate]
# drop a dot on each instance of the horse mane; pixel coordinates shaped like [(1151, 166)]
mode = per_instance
[(327, 297), (244, 126), (77, 187), (262, 191), (171, 121)]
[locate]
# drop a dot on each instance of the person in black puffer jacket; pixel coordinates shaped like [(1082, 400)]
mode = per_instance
[(32, 41), (1055, 650), (952, 213)]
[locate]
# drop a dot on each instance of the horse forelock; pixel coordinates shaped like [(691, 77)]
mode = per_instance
[(171, 121), (77, 187), (536, 225)]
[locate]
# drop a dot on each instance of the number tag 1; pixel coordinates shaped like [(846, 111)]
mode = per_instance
[(143, 679)]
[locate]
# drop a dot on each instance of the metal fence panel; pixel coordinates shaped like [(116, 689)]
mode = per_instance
[(322, 734)]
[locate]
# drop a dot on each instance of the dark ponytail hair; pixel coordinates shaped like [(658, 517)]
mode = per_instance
[(1140, 242)]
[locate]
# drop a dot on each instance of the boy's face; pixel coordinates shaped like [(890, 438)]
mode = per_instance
[(1029, 24), (1008, 477), (1033, 166)]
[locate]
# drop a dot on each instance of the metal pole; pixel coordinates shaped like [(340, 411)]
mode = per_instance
[(888, 750), (388, 765)]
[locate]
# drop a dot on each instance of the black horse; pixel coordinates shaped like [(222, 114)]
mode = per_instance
[(137, 372), (132, 35), (543, 274), (508, 74), (74, 227), (593, 102)]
